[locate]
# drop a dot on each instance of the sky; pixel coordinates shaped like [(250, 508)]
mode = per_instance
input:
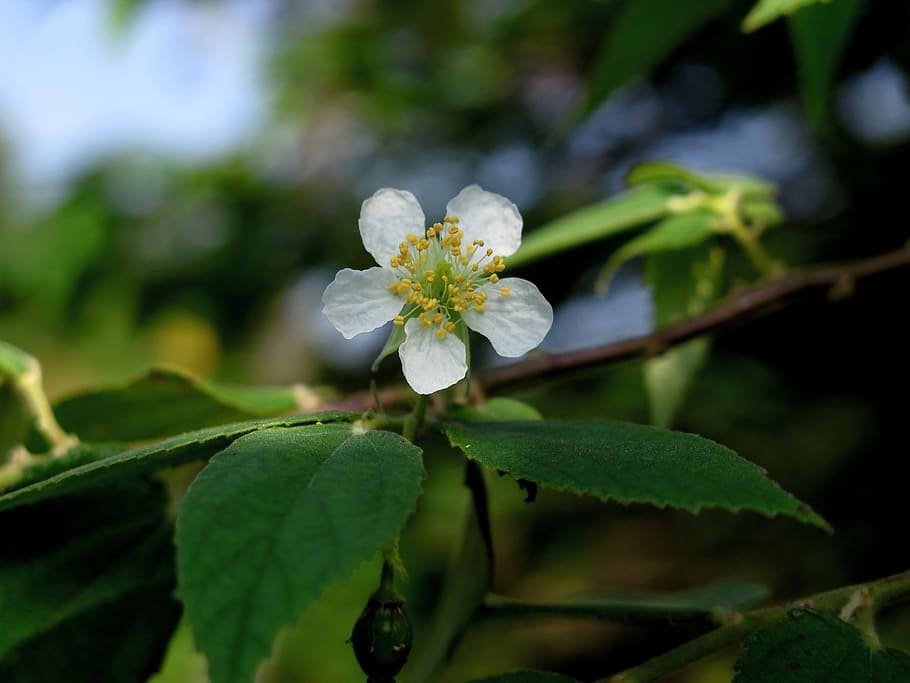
[(182, 81)]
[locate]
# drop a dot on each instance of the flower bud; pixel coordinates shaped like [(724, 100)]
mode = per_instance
[(382, 639)]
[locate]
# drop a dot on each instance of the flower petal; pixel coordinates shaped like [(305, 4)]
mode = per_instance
[(359, 301), (516, 323), (489, 217), (385, 219), (428, 362)]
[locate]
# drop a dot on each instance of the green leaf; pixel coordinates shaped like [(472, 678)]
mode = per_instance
[(167, 401), (628, 463), (766, 11), (819, 34), (671, 234), (669, 376), (92, 466), (526, 677), (623, 212), (643, 34), (13, 361), (273, 520), (814, 647), (684, 284), (496, 410), (666, 173), (121, 642), (86, 587), (14, 419)]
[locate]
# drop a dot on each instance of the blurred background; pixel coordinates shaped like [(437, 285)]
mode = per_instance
[(179, 181)]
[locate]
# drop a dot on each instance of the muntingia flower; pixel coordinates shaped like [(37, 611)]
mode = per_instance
[(436, 282)]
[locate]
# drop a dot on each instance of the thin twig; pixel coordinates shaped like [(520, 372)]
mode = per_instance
[(839, 279)]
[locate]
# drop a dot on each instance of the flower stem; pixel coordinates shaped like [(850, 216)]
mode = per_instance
[(414, 421)]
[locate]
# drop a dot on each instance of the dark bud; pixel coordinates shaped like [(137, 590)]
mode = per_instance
[(382, 638)]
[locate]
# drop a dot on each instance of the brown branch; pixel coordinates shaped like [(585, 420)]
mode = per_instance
[(839, 279)]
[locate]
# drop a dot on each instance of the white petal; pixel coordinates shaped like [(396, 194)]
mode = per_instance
[(516, 323), (359, 301), (489, 217), (385, 219), (428, 362)]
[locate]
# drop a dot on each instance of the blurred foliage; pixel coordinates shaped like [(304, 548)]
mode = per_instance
[(218, 267)]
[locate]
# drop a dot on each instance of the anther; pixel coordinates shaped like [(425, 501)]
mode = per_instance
[(505, 291), (398, 320)]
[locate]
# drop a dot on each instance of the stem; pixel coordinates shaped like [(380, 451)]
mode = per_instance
[(760, 258), (414, 421), (748, 238), (498, 606), (883, 592), (838, 280)]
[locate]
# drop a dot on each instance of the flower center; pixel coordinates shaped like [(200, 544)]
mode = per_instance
[(439, 276)]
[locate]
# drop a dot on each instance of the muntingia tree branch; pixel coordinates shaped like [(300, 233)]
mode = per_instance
[(839, 279)]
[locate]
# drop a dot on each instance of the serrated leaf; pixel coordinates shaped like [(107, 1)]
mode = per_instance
[(627, 463), (97, 579), (814, 647), (766, 11), (819, 34), (623, 212), (641, 36), (274, 519), (526, 677), (82, 467), (166, 401)]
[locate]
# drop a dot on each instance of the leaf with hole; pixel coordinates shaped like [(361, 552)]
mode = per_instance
[(814, 647), (627, 463)]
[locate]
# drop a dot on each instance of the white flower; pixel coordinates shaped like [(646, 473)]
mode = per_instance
[(436, 281)]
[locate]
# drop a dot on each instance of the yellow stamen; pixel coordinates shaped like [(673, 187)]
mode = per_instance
[(441, 333), (398, 320), (505, 291)]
